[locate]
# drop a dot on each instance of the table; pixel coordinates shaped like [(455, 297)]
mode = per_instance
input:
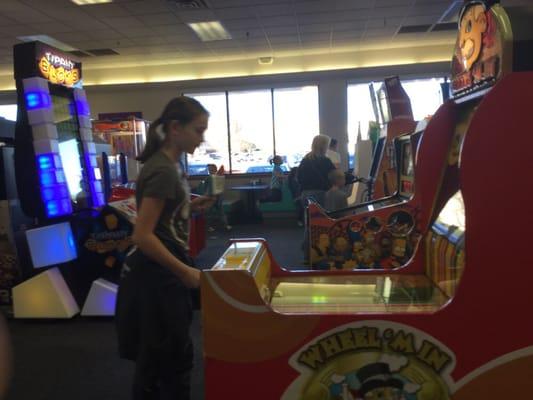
[(251, 211)]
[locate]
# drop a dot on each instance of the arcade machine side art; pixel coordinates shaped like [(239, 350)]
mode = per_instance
[(364, 236), (402, 335), (58, 181)]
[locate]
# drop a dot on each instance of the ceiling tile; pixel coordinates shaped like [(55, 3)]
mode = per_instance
[(282, 20), (312, 6), (281, 30), (27, 15), (122, 22), (146, 7), (86, 23), (312, 28), (316, 37), (235, 13), (270, 10), (174, 29), (347, 34), (105, 10), (275, 40), (149, 40), (159, 19), (105, 34), (242, 23), (135, 31)]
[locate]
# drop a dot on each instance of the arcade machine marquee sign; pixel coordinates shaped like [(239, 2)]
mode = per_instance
[(59, 69), (43, 61)]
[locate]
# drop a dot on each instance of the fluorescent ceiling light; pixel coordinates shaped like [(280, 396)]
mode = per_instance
[(48, 40), (88, 2), (210, 31)]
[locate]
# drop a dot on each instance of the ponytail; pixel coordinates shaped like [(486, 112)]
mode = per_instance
[(182, 109), (154, 141)]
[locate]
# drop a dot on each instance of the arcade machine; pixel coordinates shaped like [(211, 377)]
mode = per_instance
[(127, 138), (384, 233), (396, 116), (454, 321), (73, 240)]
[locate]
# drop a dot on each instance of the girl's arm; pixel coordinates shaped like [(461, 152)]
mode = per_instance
[(145, 238)]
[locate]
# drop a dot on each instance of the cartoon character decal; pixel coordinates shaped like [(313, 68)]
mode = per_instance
[(366, 242), (478, 49), (371, 360), (471, 29)]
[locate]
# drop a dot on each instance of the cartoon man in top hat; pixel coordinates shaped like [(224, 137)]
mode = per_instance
[(379, 382)]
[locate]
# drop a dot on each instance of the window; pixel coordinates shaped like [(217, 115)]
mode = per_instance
[(360, 113), (296, 122), (9, 112), (261, 123), (425, 96), (215, 148), (250, 129)]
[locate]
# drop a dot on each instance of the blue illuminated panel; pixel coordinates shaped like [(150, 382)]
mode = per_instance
[(51, 245), (36, 100), (95, 184), (54, 191)]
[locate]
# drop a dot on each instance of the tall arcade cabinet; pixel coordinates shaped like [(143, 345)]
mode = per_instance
[(56, 171)]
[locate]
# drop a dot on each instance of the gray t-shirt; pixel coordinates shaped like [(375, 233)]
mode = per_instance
[(162, 178), (335, 199)]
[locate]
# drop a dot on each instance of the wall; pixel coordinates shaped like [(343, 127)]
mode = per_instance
[(151, 98)]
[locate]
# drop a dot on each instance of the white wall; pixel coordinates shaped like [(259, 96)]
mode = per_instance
[(151, 98)]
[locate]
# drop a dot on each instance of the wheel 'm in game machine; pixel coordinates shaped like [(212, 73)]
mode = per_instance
[(452, 321), (75, 244), (384, 232)]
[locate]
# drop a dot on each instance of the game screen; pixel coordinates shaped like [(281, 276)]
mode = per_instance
[(407, 161), (407, 169), (70, 150)]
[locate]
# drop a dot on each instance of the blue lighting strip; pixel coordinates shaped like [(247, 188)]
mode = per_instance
[(83, 108), (54, 190), (95, 185)]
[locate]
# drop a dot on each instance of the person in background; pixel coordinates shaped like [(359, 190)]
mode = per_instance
[(313, 178), (154, 302), (336, 197), (216, 214), (314, 169), (332, 153), (276, 182)]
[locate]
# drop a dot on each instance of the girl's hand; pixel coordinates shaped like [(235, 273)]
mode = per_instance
[(202, 203), (191, 278)]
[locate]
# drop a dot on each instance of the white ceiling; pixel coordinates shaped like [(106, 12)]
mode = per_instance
[(152, 36)]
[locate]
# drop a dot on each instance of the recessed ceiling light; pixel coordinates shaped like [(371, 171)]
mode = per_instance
[(48, 40), (210, 31), (88, 2)]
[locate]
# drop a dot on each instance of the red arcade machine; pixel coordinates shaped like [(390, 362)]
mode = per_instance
[(396, 117), (454, 321), (74, 242), (384, 233)]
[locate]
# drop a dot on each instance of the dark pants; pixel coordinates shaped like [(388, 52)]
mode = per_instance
[(153, 316)]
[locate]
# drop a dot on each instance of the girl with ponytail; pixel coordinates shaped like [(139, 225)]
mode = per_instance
[(154, 308)]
